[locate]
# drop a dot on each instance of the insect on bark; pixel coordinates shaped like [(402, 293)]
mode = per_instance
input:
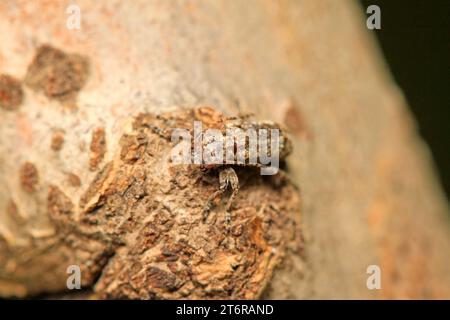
[(216, 142), (237, 141)]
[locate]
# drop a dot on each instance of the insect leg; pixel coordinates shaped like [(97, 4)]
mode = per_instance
[(233, 180), (223, 184)]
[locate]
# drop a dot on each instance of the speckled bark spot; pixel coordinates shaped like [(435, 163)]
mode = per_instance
[(160, 279), (296, 122), (58, 203), (98, 148), (73, 180), (57, 141), (132, 147), (11, 94), (57, 74), (29, 177)]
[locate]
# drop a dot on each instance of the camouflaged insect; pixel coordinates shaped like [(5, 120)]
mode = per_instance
[(140, 229), (241, 155)]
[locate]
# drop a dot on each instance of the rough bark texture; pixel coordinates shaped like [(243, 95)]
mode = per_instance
[(84, 180)]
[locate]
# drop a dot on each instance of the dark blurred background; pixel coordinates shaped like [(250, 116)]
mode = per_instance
[(415, 39)]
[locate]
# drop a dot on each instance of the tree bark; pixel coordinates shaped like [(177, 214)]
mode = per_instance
[(84, 179)]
